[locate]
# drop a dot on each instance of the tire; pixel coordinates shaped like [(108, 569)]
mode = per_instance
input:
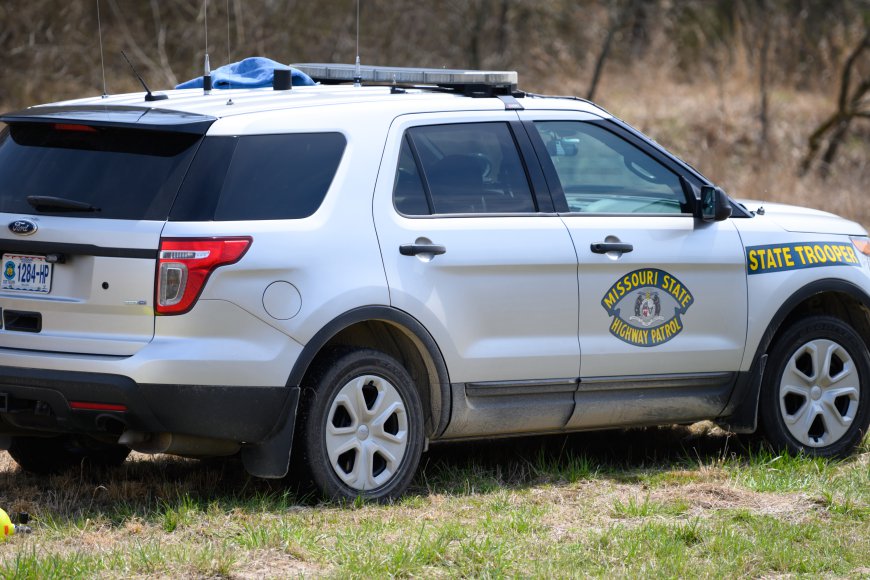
[(362, 427), (815, 397), (49, 455)]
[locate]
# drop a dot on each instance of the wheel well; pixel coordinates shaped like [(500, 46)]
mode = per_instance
[(838, 304), (401, 344), (829, 297)]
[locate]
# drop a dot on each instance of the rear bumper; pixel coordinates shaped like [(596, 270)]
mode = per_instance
[(35, 401)]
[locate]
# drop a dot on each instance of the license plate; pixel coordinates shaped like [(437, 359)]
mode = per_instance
[(25, 273)]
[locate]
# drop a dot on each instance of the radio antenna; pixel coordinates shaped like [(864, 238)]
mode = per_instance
[(102, 61), (229, 52), (206, 75), (357, 78), (149, 96)]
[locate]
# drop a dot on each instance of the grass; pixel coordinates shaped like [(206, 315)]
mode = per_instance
[(640, 503)]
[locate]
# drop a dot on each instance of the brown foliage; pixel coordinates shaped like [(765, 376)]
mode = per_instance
[(734, 86), (51, 49)]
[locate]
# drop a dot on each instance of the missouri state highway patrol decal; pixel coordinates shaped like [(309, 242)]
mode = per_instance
[(646, 306)]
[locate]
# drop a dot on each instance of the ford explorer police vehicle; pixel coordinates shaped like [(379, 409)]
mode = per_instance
[(352, 271)]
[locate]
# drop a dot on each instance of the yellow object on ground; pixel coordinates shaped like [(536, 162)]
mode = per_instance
[(7, 528)]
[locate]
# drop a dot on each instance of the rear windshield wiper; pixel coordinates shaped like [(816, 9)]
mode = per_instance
[(49, 203)]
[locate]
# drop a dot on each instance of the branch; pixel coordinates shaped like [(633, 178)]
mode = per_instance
[(815, 141), (599, 63), (859, 93), (847, 109), (619, 16), (847, 70)]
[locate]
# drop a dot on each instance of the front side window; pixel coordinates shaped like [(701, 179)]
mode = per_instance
[(602, 173), (469, 168)]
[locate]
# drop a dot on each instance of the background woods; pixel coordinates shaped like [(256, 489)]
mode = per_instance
[(52, 47), (767, 97)]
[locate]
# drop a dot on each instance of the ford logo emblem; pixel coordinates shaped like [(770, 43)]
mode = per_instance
[(22, 227)]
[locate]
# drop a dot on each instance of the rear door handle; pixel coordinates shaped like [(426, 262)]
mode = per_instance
[(414, 249), (604, 247)]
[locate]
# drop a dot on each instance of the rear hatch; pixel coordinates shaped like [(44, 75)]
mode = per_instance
[(84, 195)]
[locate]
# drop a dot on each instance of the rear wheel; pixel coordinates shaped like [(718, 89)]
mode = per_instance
[(816, 394), (46, 455), (363, 429)]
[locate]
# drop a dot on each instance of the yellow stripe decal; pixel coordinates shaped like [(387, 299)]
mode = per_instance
[(797, 256)]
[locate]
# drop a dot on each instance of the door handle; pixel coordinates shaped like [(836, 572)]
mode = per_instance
[(604, 247), (414, 249)]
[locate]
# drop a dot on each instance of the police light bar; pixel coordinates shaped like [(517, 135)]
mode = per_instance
[(341, 73)]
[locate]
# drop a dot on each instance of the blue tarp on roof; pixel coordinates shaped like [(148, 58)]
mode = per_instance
[(251, 73)]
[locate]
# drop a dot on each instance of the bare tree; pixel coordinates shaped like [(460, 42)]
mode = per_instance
[(764, 88), (619, 13), (851, 105)]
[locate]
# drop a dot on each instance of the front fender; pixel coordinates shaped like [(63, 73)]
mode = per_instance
[(741, 413)]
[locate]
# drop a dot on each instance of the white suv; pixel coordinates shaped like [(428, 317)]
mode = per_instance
[(365, 269)]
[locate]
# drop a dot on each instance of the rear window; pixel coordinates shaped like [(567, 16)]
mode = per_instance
[(123, 173), (260, 177)]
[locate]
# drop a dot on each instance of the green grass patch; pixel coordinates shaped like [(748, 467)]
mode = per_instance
[(646, 503)]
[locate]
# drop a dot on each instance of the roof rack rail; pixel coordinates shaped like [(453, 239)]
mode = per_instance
[(473, 83)]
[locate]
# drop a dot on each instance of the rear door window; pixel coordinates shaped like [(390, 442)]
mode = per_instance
[(130, 174), (468, 168)]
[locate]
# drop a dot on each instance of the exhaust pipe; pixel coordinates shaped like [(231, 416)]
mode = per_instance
[(111, 424), (177, 444)]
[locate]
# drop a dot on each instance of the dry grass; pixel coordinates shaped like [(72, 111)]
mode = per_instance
[(715, 127), (666, 501)]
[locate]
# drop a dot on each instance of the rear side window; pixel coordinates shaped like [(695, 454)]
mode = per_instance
[(122, 173), (259, 177), (468, 168)]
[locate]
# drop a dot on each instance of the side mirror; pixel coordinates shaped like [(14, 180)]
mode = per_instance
[(714, 204)]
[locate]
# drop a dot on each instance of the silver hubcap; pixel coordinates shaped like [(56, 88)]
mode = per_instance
[(818, 393), (366, 432)]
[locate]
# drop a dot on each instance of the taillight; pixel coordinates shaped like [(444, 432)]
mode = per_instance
[(74, 127), (86, 406), (184, 265)]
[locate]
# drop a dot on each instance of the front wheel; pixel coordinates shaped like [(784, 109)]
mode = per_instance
[(816, 393), (363, 427)]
